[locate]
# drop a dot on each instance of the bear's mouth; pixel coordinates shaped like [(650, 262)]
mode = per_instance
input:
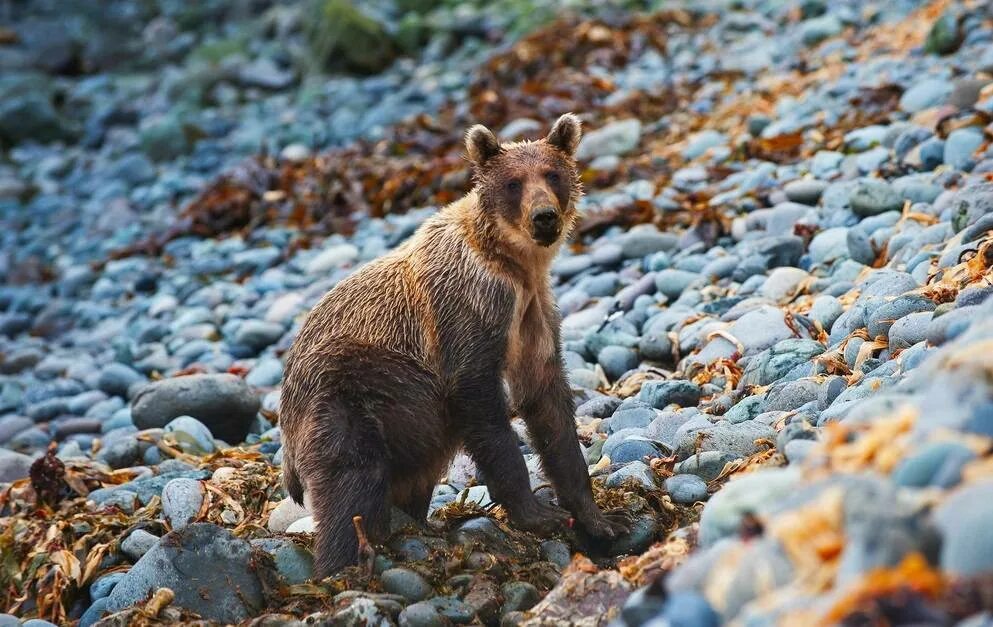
[(544, 237)]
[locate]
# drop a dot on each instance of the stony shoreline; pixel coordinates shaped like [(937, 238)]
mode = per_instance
[(775, 320)]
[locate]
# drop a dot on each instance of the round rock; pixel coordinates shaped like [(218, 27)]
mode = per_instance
[(222, 402)]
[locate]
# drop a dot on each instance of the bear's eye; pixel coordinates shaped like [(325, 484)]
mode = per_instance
[(553, 177), (514, 186)]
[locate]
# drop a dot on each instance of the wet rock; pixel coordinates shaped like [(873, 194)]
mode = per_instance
[(222, 402), (201, 563)]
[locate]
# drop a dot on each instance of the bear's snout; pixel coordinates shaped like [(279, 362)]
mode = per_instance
[(545, 225)]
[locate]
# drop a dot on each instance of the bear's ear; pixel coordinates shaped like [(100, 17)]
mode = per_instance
[(566, 133), (481, 144)]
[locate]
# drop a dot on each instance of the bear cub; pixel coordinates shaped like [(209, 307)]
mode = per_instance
[(432, 348)]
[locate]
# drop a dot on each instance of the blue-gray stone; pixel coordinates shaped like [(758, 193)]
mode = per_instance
[(689, 609), (616, 360), (202, 564), (660, 394), (104, 584), (407, 583), (871, 197), (686, 488), (706, 464), (963, 519), (960, 145), (92, 615), (294, 563), (635, 450), (637, 472), (936, 463)]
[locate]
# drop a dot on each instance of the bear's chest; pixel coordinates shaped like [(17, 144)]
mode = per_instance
[(529, 340)]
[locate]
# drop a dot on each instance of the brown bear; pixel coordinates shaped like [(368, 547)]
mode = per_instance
[(406, 361)]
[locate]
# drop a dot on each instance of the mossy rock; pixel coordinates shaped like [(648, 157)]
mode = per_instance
[(343, 37), (215, 51), (945, 36)]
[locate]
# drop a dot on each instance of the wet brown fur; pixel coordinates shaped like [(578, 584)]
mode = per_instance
[(404, 362)]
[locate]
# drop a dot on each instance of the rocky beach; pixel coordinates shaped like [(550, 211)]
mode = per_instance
[(777, 321)]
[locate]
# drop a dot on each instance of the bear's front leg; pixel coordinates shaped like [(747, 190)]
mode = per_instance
[(545, 404), (481, 409)]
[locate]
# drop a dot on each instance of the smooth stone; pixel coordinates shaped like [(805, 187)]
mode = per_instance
[(660, 394), (925, 94), (117, 379), (422, 614), (222, 402), (686, 488), (192, 435), (407, 583), (872, 197), (637, 472), (805, 191), (963, 519), (614, 138), (104, 584), (331, 258), (307, 524), (13, 466), (707, 465), (181, 501), (637, 539), (285, 514), (138, 543), (519, 596), (635, 450), (616, 360), (936, 463), (736, 439), (751, 493), (960, 146)]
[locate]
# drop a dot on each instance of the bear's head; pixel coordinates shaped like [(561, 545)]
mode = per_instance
[(529, 188)]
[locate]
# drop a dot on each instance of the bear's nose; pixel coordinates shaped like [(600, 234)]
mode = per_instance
[(544, 218)]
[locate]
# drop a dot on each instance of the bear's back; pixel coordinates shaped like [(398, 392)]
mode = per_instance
[(430, 300)]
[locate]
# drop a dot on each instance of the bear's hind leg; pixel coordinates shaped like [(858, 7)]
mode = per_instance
[(351, 479)]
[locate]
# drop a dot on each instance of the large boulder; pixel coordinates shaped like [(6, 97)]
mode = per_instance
[(210, 570), (223, 402)]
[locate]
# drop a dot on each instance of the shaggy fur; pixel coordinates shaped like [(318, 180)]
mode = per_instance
[(404, 362)]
